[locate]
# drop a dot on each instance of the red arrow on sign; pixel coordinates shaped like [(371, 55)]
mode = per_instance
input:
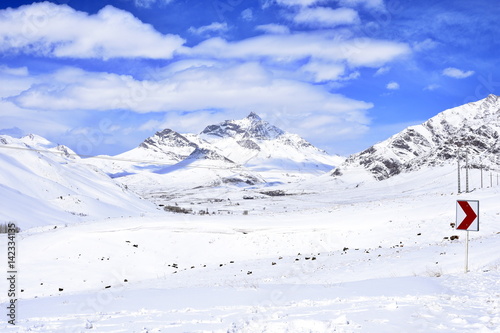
[(470, 215)]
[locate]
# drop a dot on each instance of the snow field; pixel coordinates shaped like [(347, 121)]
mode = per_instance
[(381, 264)]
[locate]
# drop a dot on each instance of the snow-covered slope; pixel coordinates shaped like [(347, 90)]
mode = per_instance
[(377, 258), (203, 168), (474, 127), (42, 183), (164, 148)]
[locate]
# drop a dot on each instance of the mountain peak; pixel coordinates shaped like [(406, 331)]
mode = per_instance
[(168, 139), (37, 141), (492, 98), (254, 116), (251, 127)]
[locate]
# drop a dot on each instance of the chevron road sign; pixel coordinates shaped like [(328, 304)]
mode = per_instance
[(467, 215), (468, 220)]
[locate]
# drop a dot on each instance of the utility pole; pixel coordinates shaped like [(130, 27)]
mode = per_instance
[(466, 172), (481, 167), (458, 162)]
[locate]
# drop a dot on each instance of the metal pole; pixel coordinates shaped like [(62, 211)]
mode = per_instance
[(481, 175), (491, 179), (458, 162), (466, 172), (467, 252)]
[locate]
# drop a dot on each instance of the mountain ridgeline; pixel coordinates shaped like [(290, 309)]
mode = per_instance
[(473, 128), (250, 142)]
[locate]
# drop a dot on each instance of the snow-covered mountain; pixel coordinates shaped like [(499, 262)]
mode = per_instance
[(170, 143), (265, 148), (42, 183), (246, 151), (473, 128), (251, 127)]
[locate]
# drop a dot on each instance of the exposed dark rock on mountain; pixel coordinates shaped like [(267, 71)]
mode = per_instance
[(473, 127)]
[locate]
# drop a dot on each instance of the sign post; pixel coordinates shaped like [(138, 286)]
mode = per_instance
[(468, 220)]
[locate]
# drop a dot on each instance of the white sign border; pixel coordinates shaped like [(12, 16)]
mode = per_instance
[(460, 216)]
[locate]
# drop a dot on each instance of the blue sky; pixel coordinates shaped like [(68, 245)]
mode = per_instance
[(101, 76)]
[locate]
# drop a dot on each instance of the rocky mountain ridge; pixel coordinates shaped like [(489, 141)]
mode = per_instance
[(250, 142), (473, 128)]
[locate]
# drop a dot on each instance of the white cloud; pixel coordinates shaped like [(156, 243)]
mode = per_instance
[(29, 121), (226, 87), (193, 122), (369, 4), (372, 52), (457, 73), (425, 45), (54, 30), (392, 85), (432, 87), (326, 17), (354, 75), (303, 3), (149, 3), (14, 71), (323, 71), (273, 28), (14, 81), (215, 27), (291, 47), (247, 14), (382, 70)]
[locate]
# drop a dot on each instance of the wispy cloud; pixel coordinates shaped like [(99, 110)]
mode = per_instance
[(247, 14), (206, 30), (382, 70), (14, 71), (246, 86), (425, 45), (355, 52), (322, 71), (303, 3), (432, 87), (457, 73), (392, 85), (273, 28), (326, 17), (150, 3), (47, 29), (369, 4)]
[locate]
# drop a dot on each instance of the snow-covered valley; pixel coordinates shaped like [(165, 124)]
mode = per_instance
[(371, 259)]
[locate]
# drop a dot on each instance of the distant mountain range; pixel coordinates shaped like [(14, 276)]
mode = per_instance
[(246, 151), (473, 128)]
